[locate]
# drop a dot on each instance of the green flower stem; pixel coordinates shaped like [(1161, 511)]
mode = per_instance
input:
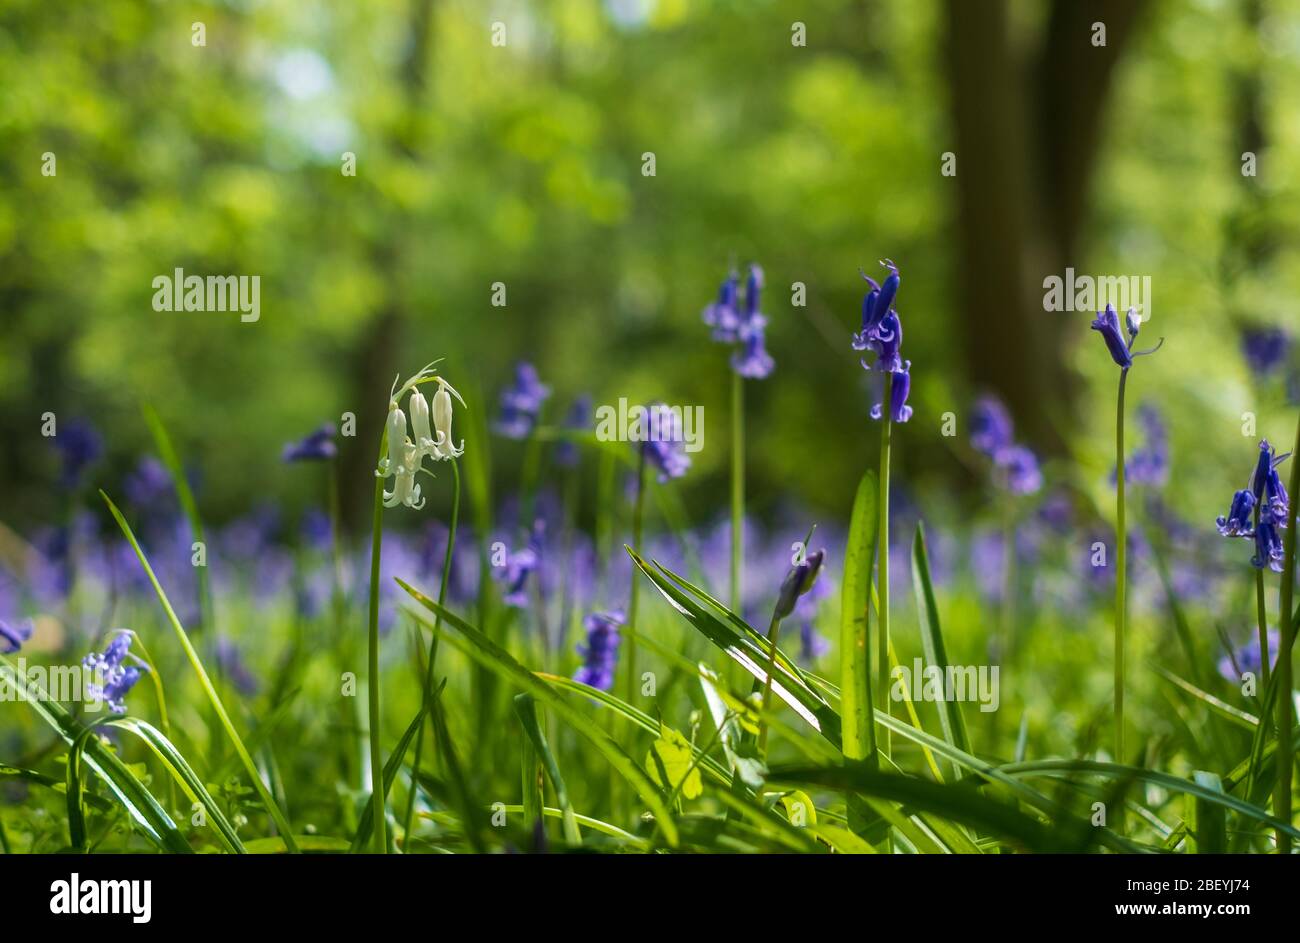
[(338, 606), (737, 487), (1121, 573), (380, 826), (882, 563), (1285, 698), (433, 651), (638, 517), (772, 631)]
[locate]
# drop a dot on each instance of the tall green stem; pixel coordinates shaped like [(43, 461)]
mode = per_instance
[(433, 651), (629, 654), (1121, 574), (376, 760), (772, 631), (1285, 698), (737, 489), (882, 561)]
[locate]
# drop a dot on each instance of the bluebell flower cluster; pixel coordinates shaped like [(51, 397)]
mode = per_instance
[(1259, 511), (744, 326), (882, 333), (79, 444), (519, 565), (600, 652), (118, 677), (992, 435), (1265, 349), (663, 442), (318, 446), (521, 404), (1149, 465)]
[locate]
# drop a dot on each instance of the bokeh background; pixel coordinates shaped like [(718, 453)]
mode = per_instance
[(522, 164)]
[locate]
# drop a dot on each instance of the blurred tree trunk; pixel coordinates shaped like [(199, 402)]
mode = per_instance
[(376, 361), (1027, 123)]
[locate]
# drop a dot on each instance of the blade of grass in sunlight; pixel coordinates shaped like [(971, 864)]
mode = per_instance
[(366, 824), (951, 720), (526, 708), (205, 682), (488, 653), (859, 733)]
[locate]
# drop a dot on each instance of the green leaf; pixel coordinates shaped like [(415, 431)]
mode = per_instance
[(526, 709), (855, 626), (366, 824), (671, 764), (1208, 824)]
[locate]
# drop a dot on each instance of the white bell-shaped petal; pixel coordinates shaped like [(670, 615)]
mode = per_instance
[(397, 442), (442, 422), (425, 441)]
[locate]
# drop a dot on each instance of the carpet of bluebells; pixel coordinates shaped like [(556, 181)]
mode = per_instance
[(576, 664)]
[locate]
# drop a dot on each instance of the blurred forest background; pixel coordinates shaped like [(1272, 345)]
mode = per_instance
[(522, 164)]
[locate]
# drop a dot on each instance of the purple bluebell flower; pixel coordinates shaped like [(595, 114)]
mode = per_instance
[(798, 581), (887, 341), (724, 314), (899, 411), (13, 635), (577, 420), (990, 426), (1268, 547), (752, 361), (1018, 467), (663, 442), (318, 446), (1107, 324), (1246, 658), (316, 530), (117, 676), (522, 403), (876, 305), (1238, 523), (1267, 485), (1149, 465), (812, 646), (1133, 324), (519, 565), (78, 444), (1265, 349), (600, 653), (148, 483)]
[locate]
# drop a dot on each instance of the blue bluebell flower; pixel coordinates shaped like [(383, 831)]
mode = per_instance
[(1265, 349), (752, 360), (1239, 522), (1107, 324), (899, 411), (577, 420), (876, 305), (600, 653), (723, 315), (1149, 465), (1019, 471), (118, 677), (1247, 658), (13, 635), (318, 446), (519, 565), (150, 482), (990, 426), (1268, 547), (1266, 484), (798, 581), (522, 403), (79, 445), (663, 442)]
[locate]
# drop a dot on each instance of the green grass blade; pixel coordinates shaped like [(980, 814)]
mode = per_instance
[(951, 720), (1208, 822), (272, 807), (366, 823), (486, 652), (526, 709)]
